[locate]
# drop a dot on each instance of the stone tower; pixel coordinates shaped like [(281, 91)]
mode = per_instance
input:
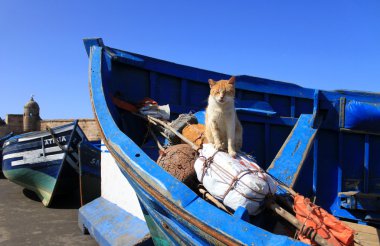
[(31, 116)]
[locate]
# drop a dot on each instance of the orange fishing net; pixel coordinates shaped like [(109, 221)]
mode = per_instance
[(195, 133), (316, 219)]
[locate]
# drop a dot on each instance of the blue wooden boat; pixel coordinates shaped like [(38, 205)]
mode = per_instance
[(89, 171), (2, 140), (322, 144), (48, 162)]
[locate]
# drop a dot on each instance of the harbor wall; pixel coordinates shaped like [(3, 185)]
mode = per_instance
[(14, 123), (31, 121), (88, 126), (4, 130)]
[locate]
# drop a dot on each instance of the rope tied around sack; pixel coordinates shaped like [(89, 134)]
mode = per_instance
[(234, 179), (238, 178), (207, 163)]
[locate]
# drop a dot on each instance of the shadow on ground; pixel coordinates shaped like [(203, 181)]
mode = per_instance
[(67, 201), (31, 195)]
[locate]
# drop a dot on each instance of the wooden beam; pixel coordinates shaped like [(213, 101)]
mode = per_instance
[(288, 162)]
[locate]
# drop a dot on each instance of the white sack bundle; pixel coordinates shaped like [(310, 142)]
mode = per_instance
[(235, 182)]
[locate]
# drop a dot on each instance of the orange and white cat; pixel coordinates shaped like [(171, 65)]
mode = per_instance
[(223, 128)]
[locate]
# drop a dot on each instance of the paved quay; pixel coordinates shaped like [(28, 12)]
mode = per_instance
[(25, 221)]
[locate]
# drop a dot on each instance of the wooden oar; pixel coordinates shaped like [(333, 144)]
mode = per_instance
[(194, 146), (213, 200), (156, 121)]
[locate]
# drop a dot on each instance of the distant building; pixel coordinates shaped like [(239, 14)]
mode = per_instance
[(31, 118), (30, 121)]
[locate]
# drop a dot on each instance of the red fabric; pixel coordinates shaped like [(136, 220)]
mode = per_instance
[(145, 102), (132, 107), (325, 224)]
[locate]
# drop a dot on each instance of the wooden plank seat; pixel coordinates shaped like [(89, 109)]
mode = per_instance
[(364, 234)]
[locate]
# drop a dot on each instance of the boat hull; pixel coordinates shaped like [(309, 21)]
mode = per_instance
[(36, 162), (89, 171)]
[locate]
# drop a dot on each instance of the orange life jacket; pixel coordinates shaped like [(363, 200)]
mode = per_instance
[(326, 225)]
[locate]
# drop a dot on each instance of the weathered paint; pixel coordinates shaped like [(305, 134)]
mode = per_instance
[(287, 164), (111, 225)]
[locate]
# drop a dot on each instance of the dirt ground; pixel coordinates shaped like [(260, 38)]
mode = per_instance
[(25, 221)]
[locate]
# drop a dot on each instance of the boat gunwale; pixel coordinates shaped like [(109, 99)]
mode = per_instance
[(36, 134)]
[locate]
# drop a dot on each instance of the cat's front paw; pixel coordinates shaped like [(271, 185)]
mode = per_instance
[(232, 153)]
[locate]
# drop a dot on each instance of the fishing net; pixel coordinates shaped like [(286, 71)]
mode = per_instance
[(178, 160), (195, 133)]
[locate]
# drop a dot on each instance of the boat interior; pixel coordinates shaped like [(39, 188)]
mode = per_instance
[(309, 139)]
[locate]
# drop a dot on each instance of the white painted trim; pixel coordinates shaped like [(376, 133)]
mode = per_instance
[(36, 152), (34, 160), (45, 134)]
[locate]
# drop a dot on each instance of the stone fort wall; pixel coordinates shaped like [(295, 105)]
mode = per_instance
[(31, 121), (14, 123), (88, 126), (4, 130)]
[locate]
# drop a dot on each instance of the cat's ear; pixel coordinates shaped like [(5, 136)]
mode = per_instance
[(231, 81), (211, 82)]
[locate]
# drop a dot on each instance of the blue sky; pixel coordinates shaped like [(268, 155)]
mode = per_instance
[(318, 44)]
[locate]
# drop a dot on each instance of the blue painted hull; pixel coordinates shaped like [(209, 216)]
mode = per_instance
[(36, 162), (2, 140), (89, 172), (300, 135)]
